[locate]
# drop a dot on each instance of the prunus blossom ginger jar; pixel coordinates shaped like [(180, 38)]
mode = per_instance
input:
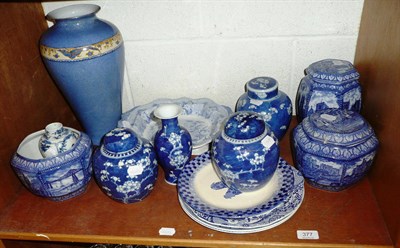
[(262, 96), (125, 166), (329, 83), (334, 148), (245, 154)]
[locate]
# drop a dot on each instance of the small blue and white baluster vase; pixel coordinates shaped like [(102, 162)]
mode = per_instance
[(329, 83), (172, 142), (263, 97), (245, 154), (125, 166), (56, 140)]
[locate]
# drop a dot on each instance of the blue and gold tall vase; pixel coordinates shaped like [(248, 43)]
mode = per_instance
[(85, 57)]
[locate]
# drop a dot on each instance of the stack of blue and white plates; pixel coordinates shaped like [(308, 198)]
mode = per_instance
[(206, 202)]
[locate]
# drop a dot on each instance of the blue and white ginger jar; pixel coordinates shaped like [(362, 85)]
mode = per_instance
[(172, 142), (85, 57), (334, 148), (125, 166), (58, 177), (262, 96), (329, 83), (56, 139), (245, 154)]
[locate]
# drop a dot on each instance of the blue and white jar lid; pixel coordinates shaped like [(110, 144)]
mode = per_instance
[(333, 70), (120, 142), (336, 133), (262, 88), (244, 127)]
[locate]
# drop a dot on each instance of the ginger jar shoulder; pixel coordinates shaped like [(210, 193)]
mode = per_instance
[(263, 96), (245, 154), (334, 148), (329, 83), (125, 166)]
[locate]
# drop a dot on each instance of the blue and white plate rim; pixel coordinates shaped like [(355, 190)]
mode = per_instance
[(239, 230), (189, 195)]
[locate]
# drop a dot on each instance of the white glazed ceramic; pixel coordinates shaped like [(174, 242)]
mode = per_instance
[(197, 188), (56, 140), (270, 221), (201, 117), (245, 213)]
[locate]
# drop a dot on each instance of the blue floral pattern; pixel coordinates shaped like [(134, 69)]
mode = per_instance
[(201, 117), (286, 194), (173, 146), (56, 141), (246, 152), (256, 222), (125, 166), (263, 97)]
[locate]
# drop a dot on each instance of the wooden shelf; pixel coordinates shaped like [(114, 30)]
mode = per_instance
[(365, 215), (346, 219)]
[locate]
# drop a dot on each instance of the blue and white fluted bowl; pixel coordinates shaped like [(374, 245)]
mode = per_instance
[(201, 117)]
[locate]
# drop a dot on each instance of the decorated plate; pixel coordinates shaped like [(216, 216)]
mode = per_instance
[(195, 187), (201, 117), (274, 218), (263, 219)]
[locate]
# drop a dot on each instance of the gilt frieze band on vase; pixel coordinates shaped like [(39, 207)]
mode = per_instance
[(85, 57)]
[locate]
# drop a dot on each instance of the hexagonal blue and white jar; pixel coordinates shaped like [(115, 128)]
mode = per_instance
[(262, 96), (245, 154), (329, 83), (334, 148), (125, 166)]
